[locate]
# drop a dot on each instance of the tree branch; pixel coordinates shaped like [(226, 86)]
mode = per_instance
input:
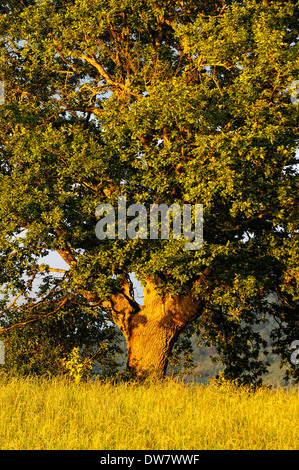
[(122, 305), (21, 293), (56, 270), (101, 70), (58, 49), (33, 320)]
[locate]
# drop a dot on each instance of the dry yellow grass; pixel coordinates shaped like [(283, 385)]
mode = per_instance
[(56, 414)]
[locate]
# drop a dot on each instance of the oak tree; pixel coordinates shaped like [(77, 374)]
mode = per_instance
[(163, 102)]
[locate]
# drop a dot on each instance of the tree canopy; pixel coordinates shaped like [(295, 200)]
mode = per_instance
[(167, 102)]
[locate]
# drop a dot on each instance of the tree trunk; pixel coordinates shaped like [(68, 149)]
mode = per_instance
[(149, 344), (152, 329)]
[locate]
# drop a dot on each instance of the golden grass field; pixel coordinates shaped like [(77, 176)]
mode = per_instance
[(58, 414)]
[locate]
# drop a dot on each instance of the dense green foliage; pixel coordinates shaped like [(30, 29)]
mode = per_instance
[(161, 101), (46, 340)]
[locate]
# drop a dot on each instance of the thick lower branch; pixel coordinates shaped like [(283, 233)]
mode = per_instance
[(152, 332), (122, 306)]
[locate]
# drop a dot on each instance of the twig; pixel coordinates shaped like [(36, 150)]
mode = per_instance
[(4, 330), (21, 293)]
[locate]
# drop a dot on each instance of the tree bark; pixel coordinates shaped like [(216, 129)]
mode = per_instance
[(151, 329)]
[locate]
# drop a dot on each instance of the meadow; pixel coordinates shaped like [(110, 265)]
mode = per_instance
[(58, 414)]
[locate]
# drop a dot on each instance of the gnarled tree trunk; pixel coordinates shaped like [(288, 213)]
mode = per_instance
[(151, 329)]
